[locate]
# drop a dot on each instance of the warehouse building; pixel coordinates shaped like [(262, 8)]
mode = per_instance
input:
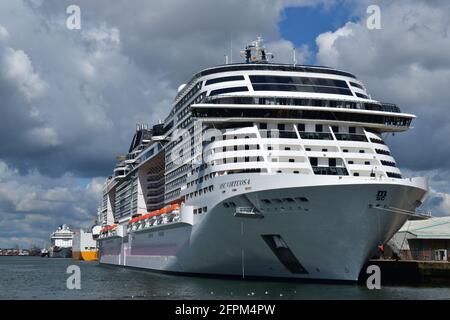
[(426, 240)]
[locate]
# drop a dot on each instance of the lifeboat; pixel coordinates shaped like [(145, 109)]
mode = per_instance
[(107, 228), (156, 217)]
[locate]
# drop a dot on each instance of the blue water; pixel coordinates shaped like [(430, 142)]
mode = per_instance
[(43, 278)]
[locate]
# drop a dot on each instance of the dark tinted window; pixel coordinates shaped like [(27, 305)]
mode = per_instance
[(274, 67), (228, 90), (301, 88), (388, 163), (361, 95), (394, 175), (356, 85), (299, 80), (224, 79)]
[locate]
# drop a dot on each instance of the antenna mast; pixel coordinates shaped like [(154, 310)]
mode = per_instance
[(256, 52), (231, 48), (295, 56)]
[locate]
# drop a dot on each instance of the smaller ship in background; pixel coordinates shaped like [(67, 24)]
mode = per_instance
[(61, 243), (84, 244)]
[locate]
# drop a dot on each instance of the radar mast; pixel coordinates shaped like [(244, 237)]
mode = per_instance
[(256, 52)]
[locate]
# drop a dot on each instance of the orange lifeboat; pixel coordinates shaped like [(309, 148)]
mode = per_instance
[(146, 216), (132, 221)]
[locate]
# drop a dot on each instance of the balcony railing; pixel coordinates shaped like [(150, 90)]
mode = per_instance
[(380, 106), (389, 107), (350, 137), (316, 135), (278, 134), (331, 171)]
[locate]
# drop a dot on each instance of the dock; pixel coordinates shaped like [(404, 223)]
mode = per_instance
[(410, 272)]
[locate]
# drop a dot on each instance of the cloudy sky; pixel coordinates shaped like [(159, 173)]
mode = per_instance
[(70, 99)]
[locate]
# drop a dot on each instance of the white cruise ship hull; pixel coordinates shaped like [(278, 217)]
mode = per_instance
[(327, 236)]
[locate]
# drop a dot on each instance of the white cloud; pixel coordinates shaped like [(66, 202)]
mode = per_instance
[(4, 35), (103, 36), (438, 203), (283, 52), (304, 3), (44, 136), (17, 66), (327, 52)]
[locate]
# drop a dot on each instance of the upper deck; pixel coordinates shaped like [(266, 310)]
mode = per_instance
[(324, 93)]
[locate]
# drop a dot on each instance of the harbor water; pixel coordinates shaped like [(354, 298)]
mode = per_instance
[(44, 278)]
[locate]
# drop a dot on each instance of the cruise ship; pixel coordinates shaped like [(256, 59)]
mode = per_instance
[(260, 170), (61, 243)]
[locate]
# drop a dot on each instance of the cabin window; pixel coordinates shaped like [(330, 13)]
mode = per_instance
[(332, 162)]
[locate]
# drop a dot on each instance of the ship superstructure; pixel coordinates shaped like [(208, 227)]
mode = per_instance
[(61, 242), (85, 245), (261, 169)]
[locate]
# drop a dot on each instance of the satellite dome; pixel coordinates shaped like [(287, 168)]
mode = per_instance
[(181, 87)]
